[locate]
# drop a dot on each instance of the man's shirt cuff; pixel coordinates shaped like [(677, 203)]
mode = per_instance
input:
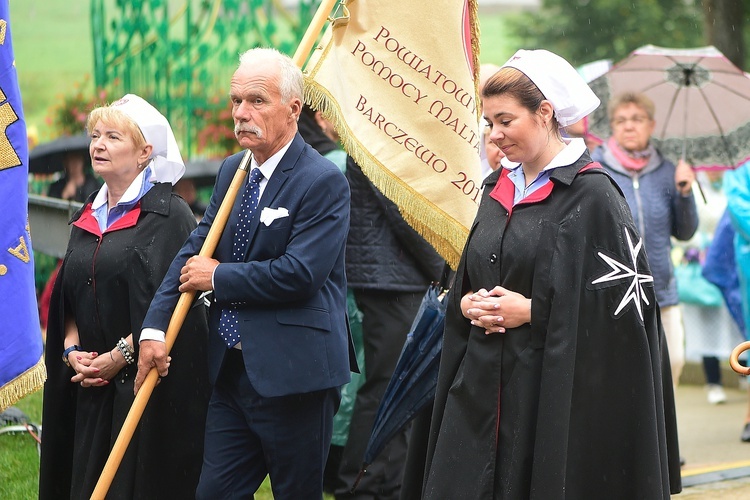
[(152, 334)]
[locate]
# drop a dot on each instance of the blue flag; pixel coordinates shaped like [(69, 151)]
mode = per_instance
[(22, 367)]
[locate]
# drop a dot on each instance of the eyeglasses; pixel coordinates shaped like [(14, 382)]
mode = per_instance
[(637, 120)]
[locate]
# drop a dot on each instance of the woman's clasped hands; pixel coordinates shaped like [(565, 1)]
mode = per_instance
[(94, 369), (496, 310)]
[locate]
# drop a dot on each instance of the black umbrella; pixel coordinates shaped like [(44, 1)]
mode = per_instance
[(203, 172), (412, 386), (49, 157)]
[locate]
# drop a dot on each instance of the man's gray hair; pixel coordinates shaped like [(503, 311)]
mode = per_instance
[(290, 76)]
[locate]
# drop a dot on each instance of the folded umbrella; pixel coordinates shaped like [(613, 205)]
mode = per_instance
[(412, 386)]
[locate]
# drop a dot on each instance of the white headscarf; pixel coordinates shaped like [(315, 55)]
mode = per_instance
[(166, 162), (559, 82)]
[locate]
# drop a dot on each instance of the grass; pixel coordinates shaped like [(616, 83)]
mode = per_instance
[(496, 46), (53, 50), (19, 458)]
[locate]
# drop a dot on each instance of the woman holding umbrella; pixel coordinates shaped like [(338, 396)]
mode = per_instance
[(554, 381), (661, 199), (121, 244), (76, 183)]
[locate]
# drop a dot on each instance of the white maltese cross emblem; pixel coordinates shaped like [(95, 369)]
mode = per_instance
[(627, 271)]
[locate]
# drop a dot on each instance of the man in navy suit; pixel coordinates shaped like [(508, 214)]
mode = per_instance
[(278, 281)]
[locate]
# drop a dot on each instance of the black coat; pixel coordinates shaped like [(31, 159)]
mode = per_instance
[(579, 403), (382, 251), (107, 282)]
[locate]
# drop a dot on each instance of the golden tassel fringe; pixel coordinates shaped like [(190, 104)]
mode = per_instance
[(439, 229), (442, 231), (475, 47), (29, 381)]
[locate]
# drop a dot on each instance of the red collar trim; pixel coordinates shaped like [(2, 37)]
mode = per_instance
[(591, 166), (88, 222), (540, 194), (505, 190)]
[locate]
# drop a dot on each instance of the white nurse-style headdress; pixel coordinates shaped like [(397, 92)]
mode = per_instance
[(166, 162), (559, 82)]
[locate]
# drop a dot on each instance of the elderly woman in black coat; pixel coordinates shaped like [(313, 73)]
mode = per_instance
[(121, 244)]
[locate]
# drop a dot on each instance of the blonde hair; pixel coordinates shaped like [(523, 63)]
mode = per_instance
[(116, 118)]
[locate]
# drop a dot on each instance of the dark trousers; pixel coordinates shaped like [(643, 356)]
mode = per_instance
[(712, 370), (386, 319), (249, 436)]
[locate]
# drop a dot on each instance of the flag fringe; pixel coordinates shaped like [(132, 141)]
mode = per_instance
[(438, 228), (475, 38), (29, 381)]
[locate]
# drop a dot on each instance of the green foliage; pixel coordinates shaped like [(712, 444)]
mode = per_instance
[(498, 43), (68, 116), (216, 138), (52, 46), (587, 30), (43, 266), (179, 54), (19, 457)]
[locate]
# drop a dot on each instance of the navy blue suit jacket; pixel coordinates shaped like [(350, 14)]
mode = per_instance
[(291, 286)]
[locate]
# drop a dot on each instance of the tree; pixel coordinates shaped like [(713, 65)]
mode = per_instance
[(724, 22), (587, 30)]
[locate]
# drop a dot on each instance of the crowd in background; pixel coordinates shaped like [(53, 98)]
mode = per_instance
[(389, 266)]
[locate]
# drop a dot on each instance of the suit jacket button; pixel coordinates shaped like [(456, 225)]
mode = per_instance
[(493, 258), (89, 281)]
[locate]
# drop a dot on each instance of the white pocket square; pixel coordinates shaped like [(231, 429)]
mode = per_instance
[(268, 215)]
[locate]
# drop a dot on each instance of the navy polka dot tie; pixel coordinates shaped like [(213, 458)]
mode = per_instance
[(229, 322)]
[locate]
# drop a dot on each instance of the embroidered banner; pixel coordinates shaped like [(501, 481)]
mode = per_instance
[(22, 367), (398, 82)]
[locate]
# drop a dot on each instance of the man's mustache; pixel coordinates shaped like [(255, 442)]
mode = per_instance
[(252, 129)]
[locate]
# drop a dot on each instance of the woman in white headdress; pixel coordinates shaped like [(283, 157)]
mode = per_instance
[(121, 244), (554, 381)]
